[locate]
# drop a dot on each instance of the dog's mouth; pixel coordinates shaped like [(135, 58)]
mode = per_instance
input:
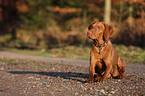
[(89, 33), (89, 37)]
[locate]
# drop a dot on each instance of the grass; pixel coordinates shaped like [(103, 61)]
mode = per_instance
[(129, 53), (10, 61), (5, 60), (17, 62), (64, 52)]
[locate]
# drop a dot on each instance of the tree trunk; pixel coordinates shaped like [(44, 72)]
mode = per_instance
[(13, 34), (130, 18), (107, 11)]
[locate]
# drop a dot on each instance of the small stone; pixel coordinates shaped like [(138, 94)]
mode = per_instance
[(91, 88), (102, 91), (85, 88), (76, 93), (119, 80), (34, 86), (109, 95), (47, 85), (112, 92), (30, 77), (37, 78)]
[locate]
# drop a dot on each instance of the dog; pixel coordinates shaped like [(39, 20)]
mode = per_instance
[(104, 59)]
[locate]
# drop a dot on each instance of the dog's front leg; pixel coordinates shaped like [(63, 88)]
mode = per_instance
[(91, 74), (106, 73), (91, 71)]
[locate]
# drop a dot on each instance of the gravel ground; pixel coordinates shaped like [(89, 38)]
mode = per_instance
[(25, 75)]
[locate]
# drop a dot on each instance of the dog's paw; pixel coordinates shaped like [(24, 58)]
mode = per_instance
[(97, 77), (119, 77), (101, 79), (90, 81)]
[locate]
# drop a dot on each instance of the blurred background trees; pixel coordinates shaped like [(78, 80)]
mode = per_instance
[(46, 24)]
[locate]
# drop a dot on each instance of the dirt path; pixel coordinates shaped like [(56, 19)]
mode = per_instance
[(137, 68), (23, 74)]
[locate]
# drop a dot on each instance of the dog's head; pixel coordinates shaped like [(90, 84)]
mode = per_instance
[(97, 30)]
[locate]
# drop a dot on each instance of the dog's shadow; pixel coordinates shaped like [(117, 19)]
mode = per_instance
[(64, 75)]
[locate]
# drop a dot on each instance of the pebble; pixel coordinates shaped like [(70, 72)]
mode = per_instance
[(76, 93), (103, 91), (90, 88), (30, 77), (85, 88), (2, 68), (119, 80), (112, 92), (37, 78), (109, 95), (47, 85)]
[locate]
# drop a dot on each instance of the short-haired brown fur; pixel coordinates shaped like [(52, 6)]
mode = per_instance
[(104, 59)]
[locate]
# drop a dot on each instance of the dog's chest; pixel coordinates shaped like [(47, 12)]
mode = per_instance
[(100, 64)]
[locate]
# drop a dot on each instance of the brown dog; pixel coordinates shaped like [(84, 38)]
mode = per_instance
[(104, 59)]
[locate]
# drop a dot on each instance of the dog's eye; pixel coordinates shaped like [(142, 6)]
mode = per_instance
[(99, 27)]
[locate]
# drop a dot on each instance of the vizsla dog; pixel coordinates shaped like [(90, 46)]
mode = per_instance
[(104, 59)]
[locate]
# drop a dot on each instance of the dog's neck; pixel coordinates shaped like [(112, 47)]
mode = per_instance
[(100, 44)]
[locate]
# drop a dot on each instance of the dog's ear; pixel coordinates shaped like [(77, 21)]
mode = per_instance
[(108, 31)]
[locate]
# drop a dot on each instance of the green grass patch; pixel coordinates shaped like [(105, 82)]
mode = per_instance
[(10, 61), (5, 60), (129, 53), (75, 52)]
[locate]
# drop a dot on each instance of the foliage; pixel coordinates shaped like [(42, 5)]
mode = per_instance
[(37, 16), (59, 23)]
